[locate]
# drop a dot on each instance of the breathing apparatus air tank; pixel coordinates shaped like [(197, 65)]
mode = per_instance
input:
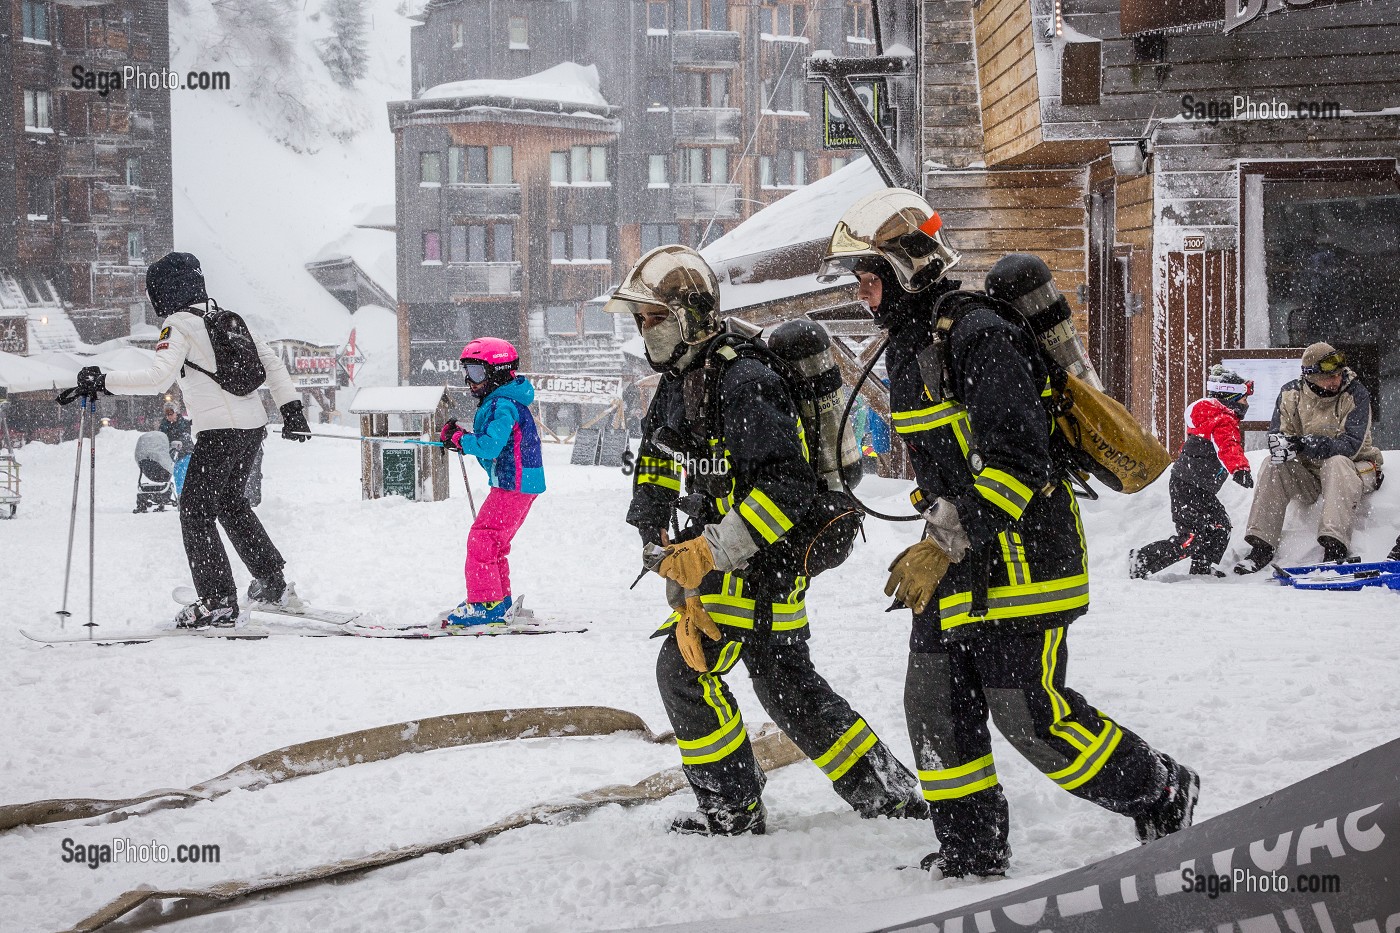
[(1025, 282), (821, 398)]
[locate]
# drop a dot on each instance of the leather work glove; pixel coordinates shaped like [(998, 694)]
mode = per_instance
[(916, 573), (694, 621), (294, 426), (687, 562), (1244, 478)]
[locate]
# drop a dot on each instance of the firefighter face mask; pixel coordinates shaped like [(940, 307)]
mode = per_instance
[(663, 343)]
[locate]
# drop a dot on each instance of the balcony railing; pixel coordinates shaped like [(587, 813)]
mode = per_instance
[(702, 202), (577, 281), (705, 124), (79, 159), (483, 279), (715, 49), (482, 200)]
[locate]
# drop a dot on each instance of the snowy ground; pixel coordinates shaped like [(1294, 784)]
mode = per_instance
[(1255, 685)]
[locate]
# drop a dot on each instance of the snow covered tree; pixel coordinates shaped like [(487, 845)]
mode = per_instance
[(345, 51)]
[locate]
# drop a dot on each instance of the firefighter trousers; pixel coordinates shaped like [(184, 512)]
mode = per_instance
[(715, 751), (1020, 681)]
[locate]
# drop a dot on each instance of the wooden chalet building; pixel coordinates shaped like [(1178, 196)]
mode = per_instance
[(85, 198)]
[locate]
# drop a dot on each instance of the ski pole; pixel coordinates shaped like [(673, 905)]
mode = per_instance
[(373, 440), (467, 483), (63, 613), (92, 516)]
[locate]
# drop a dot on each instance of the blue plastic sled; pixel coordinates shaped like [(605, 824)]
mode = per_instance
[(1340, 576)]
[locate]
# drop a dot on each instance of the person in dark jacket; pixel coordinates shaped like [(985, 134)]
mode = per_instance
[(1002, 571), (728, 573), (1214, 450)]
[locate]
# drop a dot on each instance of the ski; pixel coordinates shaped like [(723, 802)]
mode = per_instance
[(470, 631), (184, 595), (1347, 576), (141, 638)]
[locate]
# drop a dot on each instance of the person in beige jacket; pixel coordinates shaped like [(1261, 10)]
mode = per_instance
[(1319, 448)]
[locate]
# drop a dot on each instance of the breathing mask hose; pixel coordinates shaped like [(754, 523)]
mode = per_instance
[(845, 419)]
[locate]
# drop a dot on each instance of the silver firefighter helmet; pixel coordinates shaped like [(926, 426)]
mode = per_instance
[(895, 225), (672, 278)]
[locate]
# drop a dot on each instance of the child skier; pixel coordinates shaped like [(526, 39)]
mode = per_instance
[(506, 443), (1213, 450)]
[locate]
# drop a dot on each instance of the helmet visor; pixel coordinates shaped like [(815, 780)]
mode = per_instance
[(640, 310)]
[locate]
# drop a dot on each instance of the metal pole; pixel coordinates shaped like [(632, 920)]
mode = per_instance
[(92, 516), (63, 613), (467, 483)]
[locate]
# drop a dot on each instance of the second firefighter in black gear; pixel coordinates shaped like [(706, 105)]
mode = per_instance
[(748, 486), (1002, 570)]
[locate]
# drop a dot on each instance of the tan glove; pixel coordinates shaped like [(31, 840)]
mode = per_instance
[(916, 573), (687, 562), (693, 621)]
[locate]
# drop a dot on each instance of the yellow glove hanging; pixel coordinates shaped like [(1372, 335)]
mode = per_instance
[(693, 621), (687, 562), (916, 573)]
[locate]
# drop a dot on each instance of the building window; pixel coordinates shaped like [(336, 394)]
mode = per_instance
[(706, 89), (432, 247), (597, 321), (502, 166), (783, 19), (590, 243), (467, 165), (519, 32), (858, 21), (558, 246), (456, 35), (38, 113), (429, 168), (476, 243), (503, 243), (36, 21), (654, 235), (656, 170), (135, 255), (838, 163), (787, 93), (133, 171), (799, 168), (581, 165), (561, 321), (705, 166), (40, 198), (788, 170), (765, 172), (701, 14), (656, 15), (457, 243)]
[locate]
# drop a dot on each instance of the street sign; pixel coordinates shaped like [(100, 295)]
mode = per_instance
[(837, 131)]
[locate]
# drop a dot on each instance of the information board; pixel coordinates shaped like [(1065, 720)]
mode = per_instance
[(1271, 369), (400, 472)]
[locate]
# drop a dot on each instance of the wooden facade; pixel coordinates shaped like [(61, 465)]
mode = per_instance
[(1167, 256)]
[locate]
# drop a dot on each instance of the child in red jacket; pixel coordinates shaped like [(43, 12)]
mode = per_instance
[(1213, 451)]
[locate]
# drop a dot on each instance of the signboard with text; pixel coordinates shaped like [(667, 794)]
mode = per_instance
[(838, 131), (578, 388), (14, 335), (310, 366)]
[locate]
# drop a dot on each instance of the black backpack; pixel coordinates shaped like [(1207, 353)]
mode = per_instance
[(238, 369)]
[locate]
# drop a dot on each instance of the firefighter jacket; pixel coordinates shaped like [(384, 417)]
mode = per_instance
[(756, 473), (985, 447), (1213, 448)]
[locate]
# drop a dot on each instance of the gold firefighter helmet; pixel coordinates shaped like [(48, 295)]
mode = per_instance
[(895, 225), (677, 279)]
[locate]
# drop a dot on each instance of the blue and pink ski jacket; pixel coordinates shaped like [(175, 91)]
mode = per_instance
[(504, 439)]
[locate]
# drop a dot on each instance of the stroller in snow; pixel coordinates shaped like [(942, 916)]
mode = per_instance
[(155, 485)]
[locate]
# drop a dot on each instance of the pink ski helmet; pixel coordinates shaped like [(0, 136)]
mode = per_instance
[(487, 363)]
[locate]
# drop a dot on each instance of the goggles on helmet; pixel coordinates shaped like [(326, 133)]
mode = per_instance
[(1328, 365), (1233, 389), (476, 372)]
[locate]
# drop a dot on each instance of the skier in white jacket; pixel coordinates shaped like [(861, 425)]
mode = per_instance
[(229, 431)]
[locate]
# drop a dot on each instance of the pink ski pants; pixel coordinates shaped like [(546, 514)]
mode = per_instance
[(488, 544)]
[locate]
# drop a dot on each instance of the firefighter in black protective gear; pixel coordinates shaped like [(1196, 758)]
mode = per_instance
[(1002, 570), (729, 424)]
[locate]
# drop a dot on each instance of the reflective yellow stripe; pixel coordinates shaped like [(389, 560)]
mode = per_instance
[(728, 657), (659, 471), (1012, 602), (952, 783), (926, 419), (733, 611), (1003, 490), (847, 750), (1060, 724), (715, 746), (731, 608), (764, 516), (1090, 761), (713, 693), (1013, 554)]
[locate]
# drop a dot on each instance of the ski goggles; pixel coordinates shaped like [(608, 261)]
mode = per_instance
[(1329, 364), (1234, 389), (476, 372)]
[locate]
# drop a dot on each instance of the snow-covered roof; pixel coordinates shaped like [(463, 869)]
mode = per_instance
[(774, 254), (568, 83), (375, 400), (26, 374)]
